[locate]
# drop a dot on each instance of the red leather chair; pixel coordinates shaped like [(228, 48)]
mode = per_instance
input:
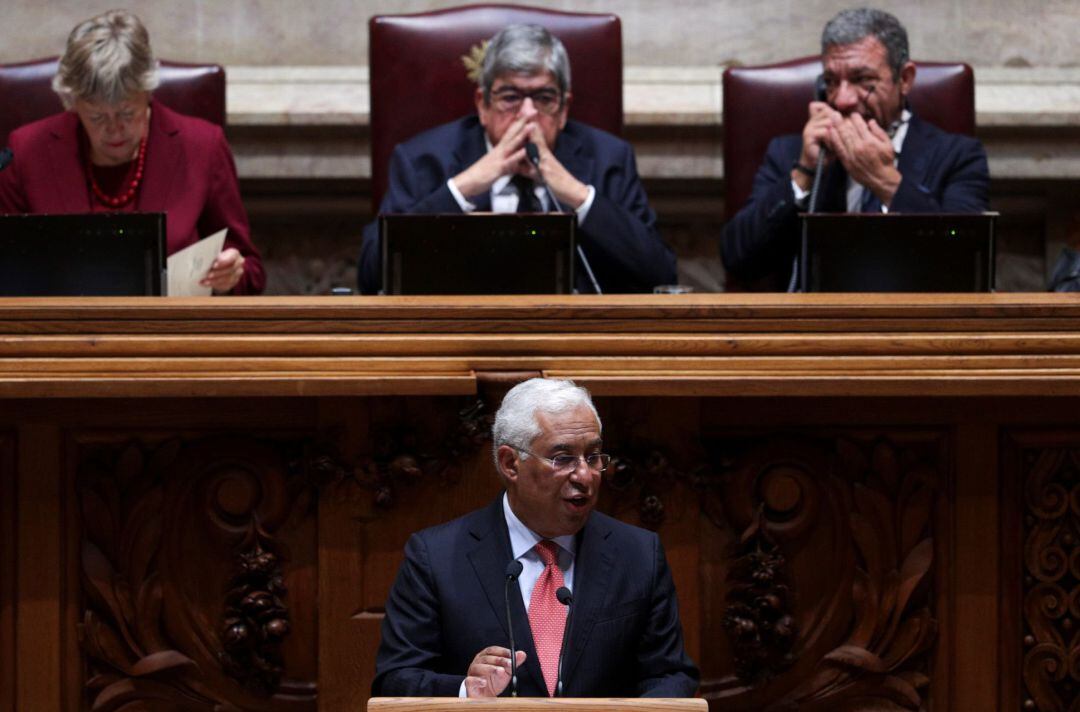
[(418, 79), (763, 102), (26, 92)]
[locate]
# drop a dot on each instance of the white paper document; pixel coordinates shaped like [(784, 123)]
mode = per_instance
[(191, 264)]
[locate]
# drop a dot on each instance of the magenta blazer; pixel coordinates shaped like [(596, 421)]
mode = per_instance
[(190, 175)]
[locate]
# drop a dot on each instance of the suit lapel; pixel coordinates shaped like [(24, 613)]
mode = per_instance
[(489, 558), (69, 175), (164, 161), (568, 151), (914, 153), (592, 579)]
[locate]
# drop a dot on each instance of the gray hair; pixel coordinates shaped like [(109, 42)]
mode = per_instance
[(107, 59), (515, 423), (851, 26), (524, 49)]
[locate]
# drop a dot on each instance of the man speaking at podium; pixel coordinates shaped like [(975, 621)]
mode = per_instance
[(879, 156), (591, 602), (479, 164)]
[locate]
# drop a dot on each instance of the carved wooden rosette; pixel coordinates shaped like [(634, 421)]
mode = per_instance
[(828, 573), (182, 544), (1051, 589)]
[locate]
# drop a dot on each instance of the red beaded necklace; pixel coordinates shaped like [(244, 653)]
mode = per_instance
[(128, 195)]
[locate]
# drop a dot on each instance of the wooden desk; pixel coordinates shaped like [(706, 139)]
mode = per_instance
[(862, 497)]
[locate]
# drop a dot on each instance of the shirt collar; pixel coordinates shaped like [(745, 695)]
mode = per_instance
[(899, 132), (523, 539)]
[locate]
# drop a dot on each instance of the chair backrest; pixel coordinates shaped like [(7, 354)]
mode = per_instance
[(418, 79), (26, 92), (763, 102)]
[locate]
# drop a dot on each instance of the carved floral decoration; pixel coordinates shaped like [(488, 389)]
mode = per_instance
[(174, 536), (828, 592), (758, 618), (1051, 588), (640, 477), (402, 456)]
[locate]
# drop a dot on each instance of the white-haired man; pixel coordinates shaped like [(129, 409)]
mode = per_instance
[(445, 632)]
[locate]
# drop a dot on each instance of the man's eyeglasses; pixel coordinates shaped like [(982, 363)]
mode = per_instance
[(565, 464), (509, 100)]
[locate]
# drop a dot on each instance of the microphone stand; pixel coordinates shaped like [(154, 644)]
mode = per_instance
[(798, 278), (565, 598), (534, 158), (513, 570)]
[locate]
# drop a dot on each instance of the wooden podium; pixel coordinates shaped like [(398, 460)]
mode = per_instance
[(526, 704), (862, 498)]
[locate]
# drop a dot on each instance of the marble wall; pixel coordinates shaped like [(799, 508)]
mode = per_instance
[(656, 32)]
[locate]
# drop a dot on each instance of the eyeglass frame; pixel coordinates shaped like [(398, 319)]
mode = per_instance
[(560, 99), (577, 459)]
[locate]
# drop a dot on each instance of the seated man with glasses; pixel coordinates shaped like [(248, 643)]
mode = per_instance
[(478, 164), (880, 157), (540, 551)]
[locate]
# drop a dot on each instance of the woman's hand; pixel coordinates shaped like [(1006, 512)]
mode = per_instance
[(226, 271)]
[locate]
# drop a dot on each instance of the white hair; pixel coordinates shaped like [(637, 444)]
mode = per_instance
[(515, 422), (107, 59)]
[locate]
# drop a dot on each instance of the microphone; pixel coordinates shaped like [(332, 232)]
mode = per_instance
[(565, 598), (5, 158), (798, 270), (533, 154), (513, 570)]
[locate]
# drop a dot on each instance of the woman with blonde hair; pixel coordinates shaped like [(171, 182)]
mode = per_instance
[(117, 149)]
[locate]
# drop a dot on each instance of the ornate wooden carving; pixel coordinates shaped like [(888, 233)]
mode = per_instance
[(401, 455), (839, 529), (758, 618), (183, 580), (642, 475), (1051, 588), (256, 618)]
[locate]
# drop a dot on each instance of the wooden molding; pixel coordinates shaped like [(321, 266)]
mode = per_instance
[(716, 344)]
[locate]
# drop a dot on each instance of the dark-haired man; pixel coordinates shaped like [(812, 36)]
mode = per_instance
[(880, 156)]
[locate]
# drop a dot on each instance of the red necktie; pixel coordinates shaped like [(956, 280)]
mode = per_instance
[(547, 617)]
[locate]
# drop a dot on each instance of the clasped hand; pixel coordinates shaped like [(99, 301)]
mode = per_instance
[(508, 157), (489, 672), (861, 146)]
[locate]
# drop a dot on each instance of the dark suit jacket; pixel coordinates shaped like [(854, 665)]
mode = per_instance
[(447, 604), (942, 173), (189, 175), (618, 236)]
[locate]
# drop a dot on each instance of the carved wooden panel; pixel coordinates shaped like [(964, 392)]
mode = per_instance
[(819, 570), (8, 532), (1044, 472), (197, 560)]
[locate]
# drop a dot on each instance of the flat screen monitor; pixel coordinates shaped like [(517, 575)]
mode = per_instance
[(488, 253), (863, 252), (98, 254)]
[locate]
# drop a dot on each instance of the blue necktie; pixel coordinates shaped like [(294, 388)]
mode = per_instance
[(870, 202)]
